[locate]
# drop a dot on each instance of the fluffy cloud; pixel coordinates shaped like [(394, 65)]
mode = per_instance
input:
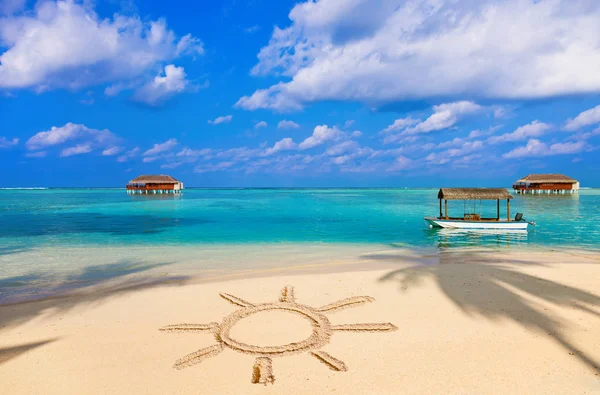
[(113, 151), (161, 88), (37, 154), (537, 148), (285, 124), (76, 150), (378, 51), (6, 143), (321, 134), (86, 139), (533, 129), (443, 117), (188, 152), (464, 148), (129, 155), (64, 44), (586, 118), (261, 124), (282, 145), (161, 148), (400, 124), (219, 120)]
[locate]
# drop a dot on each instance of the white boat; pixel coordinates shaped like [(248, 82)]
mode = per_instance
[(462, 224), (472, 218)]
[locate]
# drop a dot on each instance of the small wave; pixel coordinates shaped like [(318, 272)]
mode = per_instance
[(32, 188)]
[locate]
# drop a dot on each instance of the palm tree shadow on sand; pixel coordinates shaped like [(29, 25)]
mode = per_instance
[(480, 285)]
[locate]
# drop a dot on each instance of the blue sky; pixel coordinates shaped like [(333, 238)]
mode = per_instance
[(319, 93)]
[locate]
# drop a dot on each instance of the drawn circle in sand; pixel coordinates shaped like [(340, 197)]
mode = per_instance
[(321, 330), (262, 372)]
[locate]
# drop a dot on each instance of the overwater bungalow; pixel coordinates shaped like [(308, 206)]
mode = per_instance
[(154, 184), (546, 184)]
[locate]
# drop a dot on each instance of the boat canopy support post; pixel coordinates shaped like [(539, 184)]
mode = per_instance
[(441, 209), (498, 216), (446, 207)]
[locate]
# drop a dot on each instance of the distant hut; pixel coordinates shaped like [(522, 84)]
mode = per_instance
[(154, 184), (546, 184)]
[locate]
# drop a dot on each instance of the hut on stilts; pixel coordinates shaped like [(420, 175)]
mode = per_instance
[(154, 184)]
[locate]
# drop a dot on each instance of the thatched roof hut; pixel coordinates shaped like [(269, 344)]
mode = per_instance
[(153, 179), (473, 194), (154, 184), (547, 179), (546, 183)]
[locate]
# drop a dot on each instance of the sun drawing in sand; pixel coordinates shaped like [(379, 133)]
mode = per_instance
[(263, 372)]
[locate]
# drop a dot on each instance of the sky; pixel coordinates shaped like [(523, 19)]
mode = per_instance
[(317, 93)]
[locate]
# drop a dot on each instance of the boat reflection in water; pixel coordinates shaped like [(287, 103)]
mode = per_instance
[(460, 238)]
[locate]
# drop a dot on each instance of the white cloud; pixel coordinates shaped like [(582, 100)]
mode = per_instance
[(171, 165), (383, 50), (222, 119), (113, 151), (444, 116), (321, 134), (261, 124), (461, 149), (282, 145), (161, 148), (535, 147), (209, 167), (251, 29), (87, 139), (586, 118), (400, 124), (161, 88), (533, 129), (342, 148), (285, 124), (586, 135), (6, 143), (188, 152), (128, 155), (76, 150), (401, 163), (64, 44), (37, 154)]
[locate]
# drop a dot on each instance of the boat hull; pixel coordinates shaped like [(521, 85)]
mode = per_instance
[(459, 224)]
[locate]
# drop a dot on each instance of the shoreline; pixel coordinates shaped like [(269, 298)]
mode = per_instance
[(193, 265)]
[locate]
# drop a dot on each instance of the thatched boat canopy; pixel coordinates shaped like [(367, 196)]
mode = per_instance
[(547, 179), (473, 194), (154, 179)]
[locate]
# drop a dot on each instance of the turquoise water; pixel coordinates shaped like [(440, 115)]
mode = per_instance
[(71, 217)]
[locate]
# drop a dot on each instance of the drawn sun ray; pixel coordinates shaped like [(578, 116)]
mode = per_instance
[(331, 362), (367, 327), (345, 303), (262, 371), (235, 300), (213, 326), (198, 356)]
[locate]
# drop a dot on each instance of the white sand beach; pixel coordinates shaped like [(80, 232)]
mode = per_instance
[(492, 322)]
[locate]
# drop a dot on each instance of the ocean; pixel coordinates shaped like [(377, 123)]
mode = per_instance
[(59, 233)]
